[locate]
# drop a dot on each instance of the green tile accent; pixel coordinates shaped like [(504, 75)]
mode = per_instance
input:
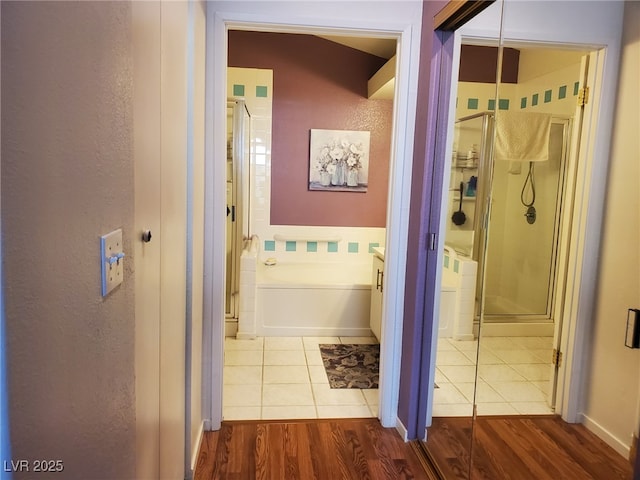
[(261, 91), (372, 246), (491, 105), (503, 104), (562, 92), (456, 266), (238, 90), (312, 246), (446, 261), (534, 99), (353, 247), (576, 88), (269, 246), (472, 104), (332, 247), (547, 96), (290, 246), (523, 102)]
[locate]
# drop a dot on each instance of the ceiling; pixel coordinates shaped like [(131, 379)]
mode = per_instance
[(380, 47)]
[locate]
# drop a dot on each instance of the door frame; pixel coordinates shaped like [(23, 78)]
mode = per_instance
[(408, 38)]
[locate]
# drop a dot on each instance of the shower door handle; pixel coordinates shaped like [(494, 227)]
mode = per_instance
[(232, 211)]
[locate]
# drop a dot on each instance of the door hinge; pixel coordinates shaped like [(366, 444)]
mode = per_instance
[(556, 357), (583, 96), (431, 241)]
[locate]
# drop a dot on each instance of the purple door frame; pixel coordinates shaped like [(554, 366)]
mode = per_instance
[(424, 221)]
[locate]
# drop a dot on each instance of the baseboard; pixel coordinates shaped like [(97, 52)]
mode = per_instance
[(606, 436), (196, 451), (402, 430)]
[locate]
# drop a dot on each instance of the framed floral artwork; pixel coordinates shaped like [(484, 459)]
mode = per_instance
[(339, 160)]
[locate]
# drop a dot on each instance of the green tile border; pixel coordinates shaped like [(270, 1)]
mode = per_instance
[(547, 95), (261, 91), (238, 90), (523, 102), (290, 246), (503, 104), (492, 104), (312, 247), (332, 247), (472, 104), (352, 247), (269, 246), (562, 92), (534, 99), (372, 246)]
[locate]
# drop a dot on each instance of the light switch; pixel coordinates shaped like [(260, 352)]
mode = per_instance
[(112, 257)]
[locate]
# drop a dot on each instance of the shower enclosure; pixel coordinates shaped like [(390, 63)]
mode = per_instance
[(238, 198), (518, 261)]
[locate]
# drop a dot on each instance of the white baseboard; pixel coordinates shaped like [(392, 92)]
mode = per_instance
[(402, 430), (605, 435), (196, 451)]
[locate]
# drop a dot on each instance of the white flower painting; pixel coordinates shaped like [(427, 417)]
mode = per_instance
[(339, 160)]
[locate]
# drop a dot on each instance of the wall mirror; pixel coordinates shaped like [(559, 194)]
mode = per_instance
[(515, 182)]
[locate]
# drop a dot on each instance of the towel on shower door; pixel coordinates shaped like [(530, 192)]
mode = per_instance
[(522, 136)]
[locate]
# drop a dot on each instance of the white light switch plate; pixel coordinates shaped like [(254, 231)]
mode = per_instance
[(112, 256)]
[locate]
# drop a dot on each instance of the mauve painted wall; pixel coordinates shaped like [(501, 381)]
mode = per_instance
[(318, 84)]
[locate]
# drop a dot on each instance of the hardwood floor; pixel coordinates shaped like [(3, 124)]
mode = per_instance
[(355, 449), (522, 448)]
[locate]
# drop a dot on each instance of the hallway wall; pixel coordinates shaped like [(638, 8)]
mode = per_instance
[(611, 397), (67, 178)]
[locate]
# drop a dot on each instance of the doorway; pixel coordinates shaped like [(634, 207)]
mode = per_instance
[(401, 148)]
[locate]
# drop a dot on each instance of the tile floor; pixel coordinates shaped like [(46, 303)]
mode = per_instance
[(283, 378), (513, 376)]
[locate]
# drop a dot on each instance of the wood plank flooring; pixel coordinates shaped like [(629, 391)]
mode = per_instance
[(355, 449), (522, 448)]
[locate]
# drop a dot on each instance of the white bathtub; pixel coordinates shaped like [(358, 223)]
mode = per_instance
[(314, 299)]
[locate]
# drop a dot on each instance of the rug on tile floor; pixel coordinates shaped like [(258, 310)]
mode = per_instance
[(351, 365)]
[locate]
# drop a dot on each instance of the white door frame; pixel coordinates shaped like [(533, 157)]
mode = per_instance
[(408, 36)]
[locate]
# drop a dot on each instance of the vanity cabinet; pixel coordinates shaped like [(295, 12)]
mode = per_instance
[(377, 275)]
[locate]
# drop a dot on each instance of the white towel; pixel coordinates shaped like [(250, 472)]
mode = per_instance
[(522, 136)]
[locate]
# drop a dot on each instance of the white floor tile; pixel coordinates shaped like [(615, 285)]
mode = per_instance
[(452, 410), (318, 374), (499, 373), (459, 373), (235, 344), (488, 357), (283, 343), (532, 408), (371, 396), (514, 357), (533, 342), (374, 409), (242, 395), (444, 345), (465, 345), (359, 340), (534, 373), (311, 343), (518, 391), (286, 374), (441, 377), (243, 357), (324, 395), (448, 394), (284, 357), (313, 357), (543, 386), (241, 413), (452, 357), (289, 412), (344, 411), (286, 394), (503, 343), (496, 409), (242, 375)]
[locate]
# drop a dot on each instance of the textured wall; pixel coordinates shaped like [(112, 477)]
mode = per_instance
[(67, 178), (328, 94)]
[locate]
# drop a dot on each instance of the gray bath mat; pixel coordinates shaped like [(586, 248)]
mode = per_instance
[(351, 365)]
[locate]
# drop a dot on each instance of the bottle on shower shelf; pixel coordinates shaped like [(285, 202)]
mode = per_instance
[(471, 187)]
